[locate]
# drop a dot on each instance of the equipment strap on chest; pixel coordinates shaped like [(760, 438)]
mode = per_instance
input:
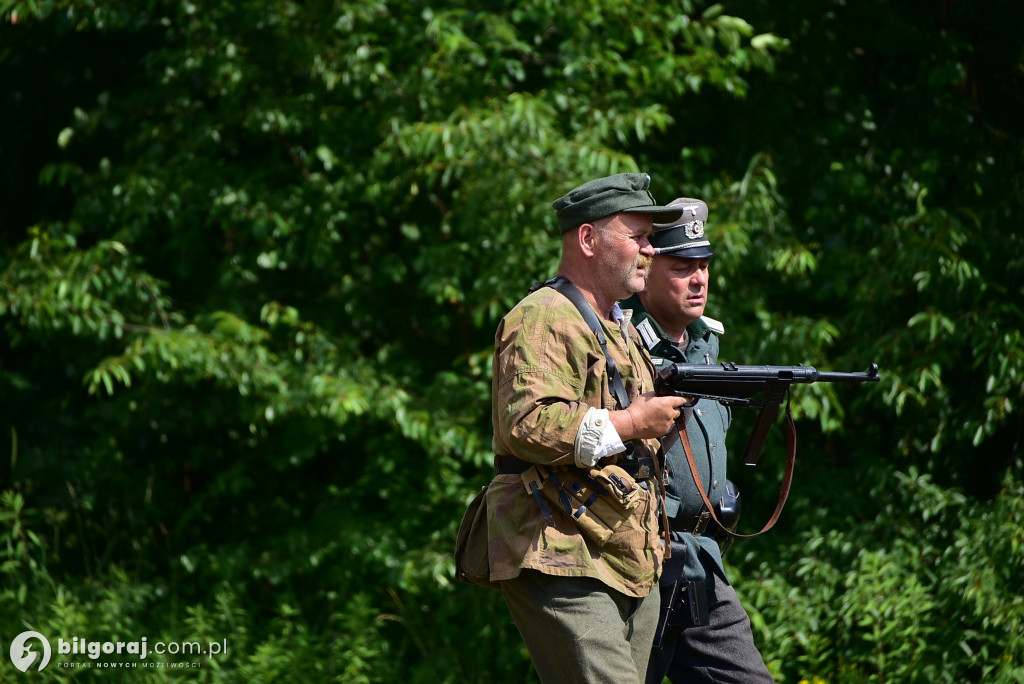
[(572, 293)]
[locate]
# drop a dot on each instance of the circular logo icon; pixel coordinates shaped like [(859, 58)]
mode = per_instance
[(23, 656)]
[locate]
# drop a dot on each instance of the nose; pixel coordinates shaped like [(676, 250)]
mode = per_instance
[(646, 248)]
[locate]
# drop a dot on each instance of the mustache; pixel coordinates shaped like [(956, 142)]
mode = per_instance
[(644, 262)]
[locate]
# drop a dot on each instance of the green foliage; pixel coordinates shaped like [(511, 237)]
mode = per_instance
[(254, 254), (934, 599)]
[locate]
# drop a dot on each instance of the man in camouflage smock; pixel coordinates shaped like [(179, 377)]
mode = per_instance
[(668, 314), (584, 608)]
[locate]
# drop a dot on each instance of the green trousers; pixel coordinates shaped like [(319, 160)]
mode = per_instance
[(581, 631)]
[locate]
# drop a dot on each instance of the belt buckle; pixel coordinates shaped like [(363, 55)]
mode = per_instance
[(702, 523)]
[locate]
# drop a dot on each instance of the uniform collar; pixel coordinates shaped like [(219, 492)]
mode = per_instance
[(652, 333)]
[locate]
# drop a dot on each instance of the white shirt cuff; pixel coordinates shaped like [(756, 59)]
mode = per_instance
[(596, 439)]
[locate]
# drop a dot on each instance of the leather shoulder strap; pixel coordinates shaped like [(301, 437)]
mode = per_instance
[(572, 293)]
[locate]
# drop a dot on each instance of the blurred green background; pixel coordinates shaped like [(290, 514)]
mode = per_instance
[(254, 254)]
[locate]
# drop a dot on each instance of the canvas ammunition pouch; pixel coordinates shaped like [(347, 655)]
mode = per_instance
[(598, 500), (472, 562)]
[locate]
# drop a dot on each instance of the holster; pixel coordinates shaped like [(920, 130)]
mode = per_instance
[(683, 602)]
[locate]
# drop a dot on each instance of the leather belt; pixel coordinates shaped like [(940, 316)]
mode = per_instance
[(641, 468), (510, 465), (694, 524)]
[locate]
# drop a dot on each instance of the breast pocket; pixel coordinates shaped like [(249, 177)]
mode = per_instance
[(596, 381)]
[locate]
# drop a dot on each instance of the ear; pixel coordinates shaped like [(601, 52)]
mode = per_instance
[(586, 236)]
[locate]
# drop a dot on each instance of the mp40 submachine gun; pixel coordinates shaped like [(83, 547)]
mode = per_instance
[(762, 388), (739, 385)]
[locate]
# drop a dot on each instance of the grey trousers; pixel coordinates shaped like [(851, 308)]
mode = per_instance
[(579, 630), (722, 651)]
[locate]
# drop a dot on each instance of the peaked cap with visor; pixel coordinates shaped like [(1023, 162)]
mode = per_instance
[(684, 237), (623, 193)]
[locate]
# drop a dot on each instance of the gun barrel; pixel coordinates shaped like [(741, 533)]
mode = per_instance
[(728, 379), (870, 375)]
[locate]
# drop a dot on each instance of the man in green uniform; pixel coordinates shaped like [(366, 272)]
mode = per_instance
[(704, 635), (576, 427)]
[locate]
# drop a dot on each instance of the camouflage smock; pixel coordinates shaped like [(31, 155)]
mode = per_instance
[(549, 370)]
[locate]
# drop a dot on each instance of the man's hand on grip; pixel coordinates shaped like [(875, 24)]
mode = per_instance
[(647, 417)]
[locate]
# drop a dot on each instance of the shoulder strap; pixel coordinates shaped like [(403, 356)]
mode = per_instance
[(572, 293)]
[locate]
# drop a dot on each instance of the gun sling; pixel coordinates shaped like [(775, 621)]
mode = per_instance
[(787, 478)]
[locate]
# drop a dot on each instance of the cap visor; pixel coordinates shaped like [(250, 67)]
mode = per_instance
[(685, 253), (659, 214)]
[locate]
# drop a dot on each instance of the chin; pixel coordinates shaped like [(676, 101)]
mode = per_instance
[(692, 314)]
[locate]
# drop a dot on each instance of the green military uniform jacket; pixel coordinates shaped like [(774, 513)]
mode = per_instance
[(706, 427), (549, 370)]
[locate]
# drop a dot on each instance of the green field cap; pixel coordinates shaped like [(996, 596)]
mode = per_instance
[(684, 237), (618, 194)]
